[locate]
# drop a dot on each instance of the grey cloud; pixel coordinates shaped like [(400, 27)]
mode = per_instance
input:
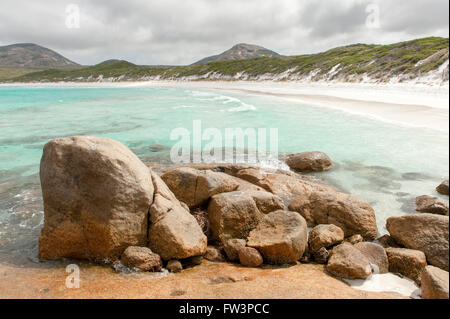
[(181, 32)]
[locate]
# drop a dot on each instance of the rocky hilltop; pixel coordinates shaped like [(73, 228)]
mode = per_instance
[(241, 51), (102, 203), (32, 56)]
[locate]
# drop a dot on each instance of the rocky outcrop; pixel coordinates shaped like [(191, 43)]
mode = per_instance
[(195, 187), (281, 237), (375, 254), (346, 261), (174, 233), (232, 246), (250, 257), (350, 213), (407, 262), (425, 232), (97, 195), (434, 283), (443, 188), (324, 236), (232, 215), (317, 203), (141, 258), (309, 162), (431, 205)]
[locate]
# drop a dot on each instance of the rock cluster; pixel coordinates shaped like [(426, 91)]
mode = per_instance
[(102, 203)]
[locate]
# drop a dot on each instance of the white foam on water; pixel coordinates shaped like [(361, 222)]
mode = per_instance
[(386, 283)]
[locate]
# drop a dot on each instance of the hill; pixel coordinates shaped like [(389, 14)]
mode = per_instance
[(31, 56), (240, 51), (417, 60)]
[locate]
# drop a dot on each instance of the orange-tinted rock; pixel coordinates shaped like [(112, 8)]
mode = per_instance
[(375, 254), (309, 162), (408, 262), (434, 283), (97, 195), (281, 237), (174, 233), (346, 261), (425, 232), (141, 258)]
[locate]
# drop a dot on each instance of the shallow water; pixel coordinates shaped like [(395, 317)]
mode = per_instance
[(387, 165)]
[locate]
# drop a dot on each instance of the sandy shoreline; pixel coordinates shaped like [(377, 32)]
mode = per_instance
[(403, 104)]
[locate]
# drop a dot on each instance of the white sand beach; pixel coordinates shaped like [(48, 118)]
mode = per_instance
[(404, 104)]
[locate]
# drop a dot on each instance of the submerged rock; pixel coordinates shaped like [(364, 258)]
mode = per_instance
[(407, 262), (431, 205), (348, 262), (97, 195), (174, 233), (281, 237), (434, 283), (141, 258), (443, 188), (375, 254), (195, 187), (309, 162), (250, 257), (425, 232)]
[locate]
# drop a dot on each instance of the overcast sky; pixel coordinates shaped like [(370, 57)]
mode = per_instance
[(184, 31)]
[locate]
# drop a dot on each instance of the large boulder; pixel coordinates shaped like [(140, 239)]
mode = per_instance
[(281, 237), (174, 233), (309, 162), (346, 261), (443, 188), (431, 205), (352, 214), (408, 262), (425, 232), (324, 236), (97, 195), (375, 254), (141, 258), (194, 187), (232, 215), (434, 283)]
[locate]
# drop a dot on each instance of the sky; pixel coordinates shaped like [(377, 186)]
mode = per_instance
[(180, 32)]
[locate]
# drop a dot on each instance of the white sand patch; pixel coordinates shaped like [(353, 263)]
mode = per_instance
[(386, 283)]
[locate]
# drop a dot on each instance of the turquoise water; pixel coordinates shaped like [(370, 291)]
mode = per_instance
[(387, 165)]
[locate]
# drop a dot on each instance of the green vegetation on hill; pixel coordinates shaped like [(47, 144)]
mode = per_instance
[(382, 62)]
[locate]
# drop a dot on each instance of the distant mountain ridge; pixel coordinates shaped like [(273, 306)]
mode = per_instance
[(419, 61), (31, 55), (241, 51)]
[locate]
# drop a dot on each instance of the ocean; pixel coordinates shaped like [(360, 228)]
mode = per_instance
[(386, 164)]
